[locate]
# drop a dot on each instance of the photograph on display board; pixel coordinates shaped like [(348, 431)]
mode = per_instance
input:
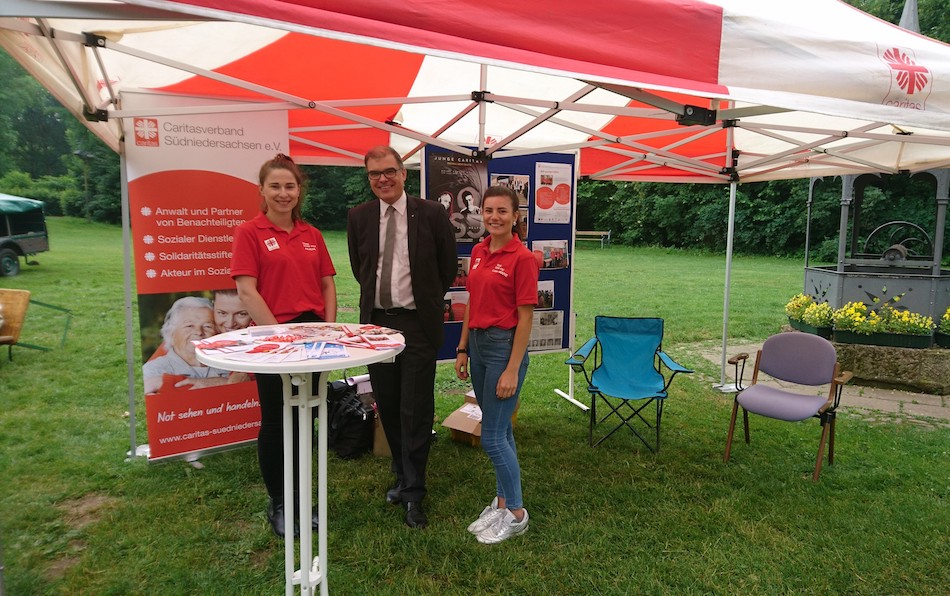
[(520, 183), (523, 211), (547, 330), (171, 322), (545, 294), (457, 182), (461, 274), (552, 197), (446, 199), (453, 309), (551, 253)]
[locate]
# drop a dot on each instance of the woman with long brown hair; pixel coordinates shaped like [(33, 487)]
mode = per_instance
[(284, 274)]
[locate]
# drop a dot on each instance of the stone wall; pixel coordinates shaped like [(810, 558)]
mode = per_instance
[(925, 371)]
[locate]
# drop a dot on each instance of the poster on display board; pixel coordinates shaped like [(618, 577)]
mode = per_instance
[(546, 189), (193, 179)]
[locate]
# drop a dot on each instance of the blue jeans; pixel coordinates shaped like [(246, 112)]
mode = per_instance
[(489, 351)]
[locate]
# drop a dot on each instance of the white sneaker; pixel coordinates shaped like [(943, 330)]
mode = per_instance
[(486, 518), (504, 528)]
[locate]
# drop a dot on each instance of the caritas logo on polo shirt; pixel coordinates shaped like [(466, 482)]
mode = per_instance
[(911, 83)]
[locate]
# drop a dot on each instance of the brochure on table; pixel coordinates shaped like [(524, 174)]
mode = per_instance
[(299, 342), (545, 184)]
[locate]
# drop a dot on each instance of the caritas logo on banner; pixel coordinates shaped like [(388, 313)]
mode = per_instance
[(146, 132), (911, 83)]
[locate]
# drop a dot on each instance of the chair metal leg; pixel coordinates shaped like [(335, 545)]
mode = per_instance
[(821, 451), (732, 428), (593, 418), (621, 414), (745, 424), (831, 441)]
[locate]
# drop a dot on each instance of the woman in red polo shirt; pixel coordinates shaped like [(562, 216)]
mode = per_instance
[(503, 291), (283, 274)]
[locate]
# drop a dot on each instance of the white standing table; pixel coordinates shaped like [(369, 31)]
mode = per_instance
[(300, 373)]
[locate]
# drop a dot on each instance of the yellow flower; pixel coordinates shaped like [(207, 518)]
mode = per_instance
[(945, 322), (818, 315), (854, 316), (795, 308)]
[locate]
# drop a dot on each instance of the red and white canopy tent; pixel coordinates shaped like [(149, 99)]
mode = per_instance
[(661, 90), (717, 91)]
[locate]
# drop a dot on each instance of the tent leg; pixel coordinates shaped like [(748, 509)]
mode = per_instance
[(130, 363), (725, 300)]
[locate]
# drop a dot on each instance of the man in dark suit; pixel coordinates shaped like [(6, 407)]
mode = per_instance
[(403, 254)]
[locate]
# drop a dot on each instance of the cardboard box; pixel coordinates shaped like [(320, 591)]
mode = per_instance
[(380, 444), (465, 423)]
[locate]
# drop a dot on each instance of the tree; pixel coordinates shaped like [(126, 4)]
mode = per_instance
[(95, 167), (10, 101), (33, 124)]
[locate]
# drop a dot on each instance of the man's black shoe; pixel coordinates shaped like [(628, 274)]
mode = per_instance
[(394, 494), (415, 516)]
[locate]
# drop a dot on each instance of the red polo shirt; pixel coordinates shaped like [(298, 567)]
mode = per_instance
[(500, 282), (288, 267)]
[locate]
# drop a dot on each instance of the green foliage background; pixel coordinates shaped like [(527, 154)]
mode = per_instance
[(48, 155)]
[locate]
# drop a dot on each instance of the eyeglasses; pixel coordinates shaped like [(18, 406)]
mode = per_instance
[(388, 172)]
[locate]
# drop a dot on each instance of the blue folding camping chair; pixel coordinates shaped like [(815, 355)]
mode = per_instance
[(626, 374)]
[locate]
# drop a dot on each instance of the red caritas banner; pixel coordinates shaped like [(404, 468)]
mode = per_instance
[(192, 180)]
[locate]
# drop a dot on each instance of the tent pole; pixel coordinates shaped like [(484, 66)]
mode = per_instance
[(127, 272), (570, 315), (808, 205), (482, 108), (847, 198), (725, 300), (943, 199)]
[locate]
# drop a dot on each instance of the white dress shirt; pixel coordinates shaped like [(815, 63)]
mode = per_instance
[(401, 279)]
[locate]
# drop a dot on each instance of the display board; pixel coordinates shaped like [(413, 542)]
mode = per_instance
[(546, 186)]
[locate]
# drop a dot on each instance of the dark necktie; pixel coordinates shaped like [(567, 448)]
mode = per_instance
[(389, 247)]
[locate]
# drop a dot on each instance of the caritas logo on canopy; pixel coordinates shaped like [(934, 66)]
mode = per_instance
[(146, 132), (911, 83)]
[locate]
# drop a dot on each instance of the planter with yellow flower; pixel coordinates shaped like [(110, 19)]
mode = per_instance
[(854, 323), (942, 336), (795, 310), (817, 319)]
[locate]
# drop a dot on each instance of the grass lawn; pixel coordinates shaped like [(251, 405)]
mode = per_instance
[(77, 517)]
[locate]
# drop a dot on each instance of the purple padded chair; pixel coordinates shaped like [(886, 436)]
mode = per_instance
[(801, 359)]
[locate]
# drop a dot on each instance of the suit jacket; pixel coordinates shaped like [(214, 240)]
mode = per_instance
[(432, 258)]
